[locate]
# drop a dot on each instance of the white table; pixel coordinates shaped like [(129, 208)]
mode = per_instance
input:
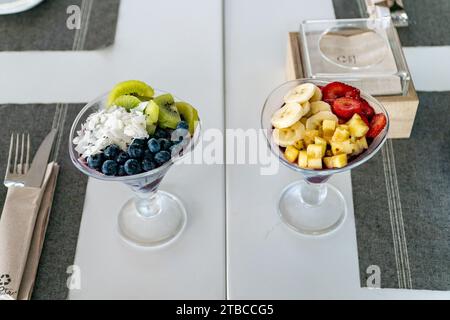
[(266, 260)]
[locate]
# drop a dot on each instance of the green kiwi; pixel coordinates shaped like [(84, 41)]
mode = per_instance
[(151, 128), (189, 114), (168, 113), (126, 101), (131, 87), (164, 99), (152, 112)]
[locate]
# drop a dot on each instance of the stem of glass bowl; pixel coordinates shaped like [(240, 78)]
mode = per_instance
[(314, 191), (148, 203)]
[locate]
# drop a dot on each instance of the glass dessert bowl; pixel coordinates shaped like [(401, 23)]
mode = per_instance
[(311, 206), (152, 218)]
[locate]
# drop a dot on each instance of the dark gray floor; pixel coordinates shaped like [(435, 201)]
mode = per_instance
[(62, 233), (428, 20), (422, 165)]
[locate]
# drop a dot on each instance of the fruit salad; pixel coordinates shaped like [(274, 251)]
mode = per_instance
[(325, 127), (136, 131)]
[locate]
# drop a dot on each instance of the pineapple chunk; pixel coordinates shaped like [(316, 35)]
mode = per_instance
[(363, 143), (315, 151), (328, 162), (291, 153), (321, 142), (340, 135), (344, 126), (310, 135), (328, 127), (315, 163), (339, 161), (299, 145), (358, 128), (303, 159), (344, 147)]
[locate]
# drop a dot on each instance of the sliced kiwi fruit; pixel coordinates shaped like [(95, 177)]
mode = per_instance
[(152, 112), (151, 128), (168, 113), (132, 87), (127, 101), (189, 114)]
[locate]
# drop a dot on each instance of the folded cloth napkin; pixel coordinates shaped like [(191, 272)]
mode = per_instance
[(22, 231)]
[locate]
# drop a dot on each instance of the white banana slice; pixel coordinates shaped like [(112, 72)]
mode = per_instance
[(316, 120), (287, 115), (288, 136), (306, 108), (318, 106), (301, 93), (317, 95)]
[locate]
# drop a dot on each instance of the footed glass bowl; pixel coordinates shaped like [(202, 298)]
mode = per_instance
[(311, 206), (152, 218)]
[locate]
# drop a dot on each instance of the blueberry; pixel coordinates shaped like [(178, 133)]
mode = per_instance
[(122, 157), (110, 168), (111, 152), (148, 165), (121, 171), (148, 155), (95, 161), (139, 142), (153, 145), (182, 125), (162, 157), (132, 167), (161, 133), (164, 143), (136, 151)]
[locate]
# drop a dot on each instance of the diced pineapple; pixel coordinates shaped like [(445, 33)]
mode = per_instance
[(328, 127), (315, 163), (299, 145), (328, 162), (344, 126), (363, 143), (339, 161), (340, 135), (291, 153), (303, 159), (315, 151), (321, 142), (310, 135), (344, 147), (358, 128)]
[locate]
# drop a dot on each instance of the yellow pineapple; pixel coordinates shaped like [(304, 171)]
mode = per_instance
[(299, 145), (328, 127), (310, 136), (321, 142), (358, 128), (303, 159), (339, 161), (328, 162), (344, 147), (315, 151), (291, 153), (315, 163), (340, 135)]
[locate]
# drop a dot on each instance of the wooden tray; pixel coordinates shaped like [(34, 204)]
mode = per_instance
[(401, 109)]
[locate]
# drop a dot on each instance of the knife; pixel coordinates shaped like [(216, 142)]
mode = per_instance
[(35, 176)]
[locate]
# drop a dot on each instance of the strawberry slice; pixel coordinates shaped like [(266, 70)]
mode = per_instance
[(363, 118), (366, 109), (376, 125), (354, 93), (335, 90), (345, 108)]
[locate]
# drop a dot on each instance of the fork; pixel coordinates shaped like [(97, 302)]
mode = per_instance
[(17, 168)]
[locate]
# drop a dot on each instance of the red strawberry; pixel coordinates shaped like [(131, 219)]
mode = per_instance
[(363, 118), (354, 93), (376, 125), (366, 109), (335, 90), (346, 107)]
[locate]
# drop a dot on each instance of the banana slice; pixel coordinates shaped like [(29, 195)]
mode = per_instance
[(317, 95), (318, 106), (301, 93), (287, 115), (316, 120), (289, 136), (306, 108)]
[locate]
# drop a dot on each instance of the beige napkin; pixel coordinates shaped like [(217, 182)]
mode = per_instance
[(22, 230)]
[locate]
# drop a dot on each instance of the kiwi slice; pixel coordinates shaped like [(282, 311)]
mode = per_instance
[(126, 101), (168, 113), (152, 112), (132, 87), (151, 128), (189, 114)]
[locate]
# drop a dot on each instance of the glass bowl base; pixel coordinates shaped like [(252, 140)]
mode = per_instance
[(310, 220), (153, 231)]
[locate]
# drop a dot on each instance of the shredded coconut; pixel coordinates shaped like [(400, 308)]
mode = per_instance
[(114, 125)]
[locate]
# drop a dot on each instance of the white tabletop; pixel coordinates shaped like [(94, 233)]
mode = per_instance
[(265, 259)]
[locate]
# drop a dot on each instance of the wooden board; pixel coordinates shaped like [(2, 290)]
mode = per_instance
[(401, 109)]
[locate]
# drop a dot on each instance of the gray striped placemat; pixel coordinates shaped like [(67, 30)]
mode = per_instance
[(402, 205), (427, 20), (61, 25), (62, 232)]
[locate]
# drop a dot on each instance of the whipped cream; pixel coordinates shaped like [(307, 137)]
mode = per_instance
[(114, 125)]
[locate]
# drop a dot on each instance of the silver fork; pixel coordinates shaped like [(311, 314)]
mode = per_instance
[(17, 168)]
